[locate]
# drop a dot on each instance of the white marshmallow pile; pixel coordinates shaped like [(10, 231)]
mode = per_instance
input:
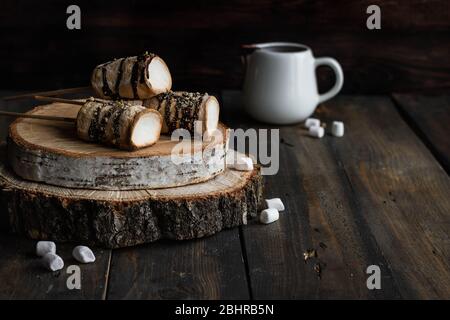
[(44, 247), (317, 131), (83, 254), (337, 129), (52, 262), (272, 213), (238, 161)]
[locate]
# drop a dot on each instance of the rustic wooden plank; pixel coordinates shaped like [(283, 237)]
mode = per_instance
[(429, 116), (321, 13), (21, 274), (389, 62), (408, 53), (209, 268), (402, 191), (23, 277), (375, 196), (321, 213)]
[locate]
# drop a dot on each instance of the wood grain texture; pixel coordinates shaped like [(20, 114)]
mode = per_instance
[(26, 104), (114, 219), (210, 268), (375, 196), (320, 210), (23, 277), (51, 152), (430, 118), (402, 192), (201, 40)]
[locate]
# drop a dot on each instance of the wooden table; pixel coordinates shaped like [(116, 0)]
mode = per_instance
[(378, 196)]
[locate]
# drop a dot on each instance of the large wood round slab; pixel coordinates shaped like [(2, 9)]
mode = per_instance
[(115, 219), (50, 152)]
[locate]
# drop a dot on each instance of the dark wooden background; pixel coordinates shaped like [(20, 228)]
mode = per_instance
[(200, 40)]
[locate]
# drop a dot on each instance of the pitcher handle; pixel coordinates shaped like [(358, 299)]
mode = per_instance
[(333, 64)]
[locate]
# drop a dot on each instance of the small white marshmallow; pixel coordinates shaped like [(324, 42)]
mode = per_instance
[(275, 203), (337, 129), (83, 254), (52, 262), (310, 122), (316, 131), (238, 161), (269, 215), (231, 158), (244, 164), (44, 247)]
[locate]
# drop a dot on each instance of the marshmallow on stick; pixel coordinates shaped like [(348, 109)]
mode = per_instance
[(118, 124), (115, 123), (183, 109), (138, 77)]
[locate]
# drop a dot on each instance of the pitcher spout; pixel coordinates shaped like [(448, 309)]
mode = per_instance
[(246, 52)]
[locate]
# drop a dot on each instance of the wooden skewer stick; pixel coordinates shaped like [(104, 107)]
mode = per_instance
[(140, 129), (53, 99), (36, 116), (43, 117), (47, 93)]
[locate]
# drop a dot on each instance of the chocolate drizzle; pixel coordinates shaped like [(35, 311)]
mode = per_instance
[(105, 88), (104, 123), (119, 109), (134, 79), (196, 110), (138, 75), (145, 59), (167, 115), (186, 105), (118, 79), (107, 123), (93, 126)]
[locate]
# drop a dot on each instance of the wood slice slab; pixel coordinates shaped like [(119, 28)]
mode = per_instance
[(50, 152), (115, 219)]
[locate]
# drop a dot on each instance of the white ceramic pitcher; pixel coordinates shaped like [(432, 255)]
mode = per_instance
[(280, 84)]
